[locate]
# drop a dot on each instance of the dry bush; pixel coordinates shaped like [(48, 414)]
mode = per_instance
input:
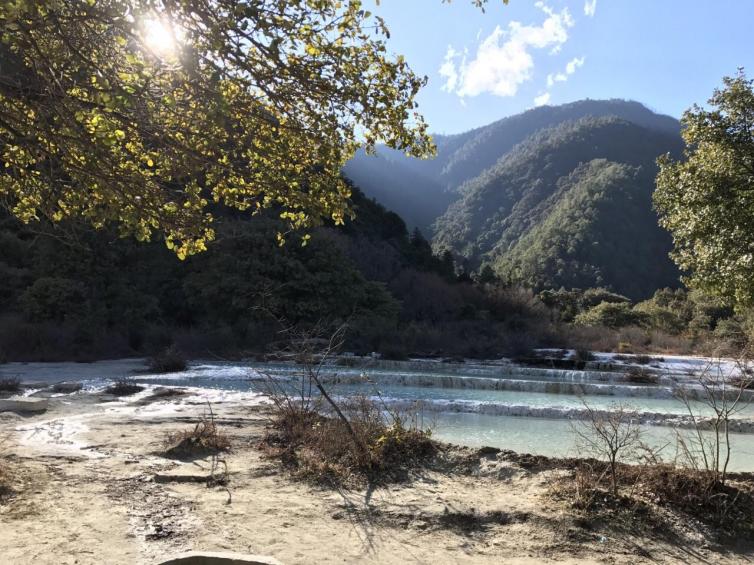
[(641, 376), (611, 436), (723, 393), (320, 447), (171, 360), (332, 440), (697, 483), (203, 439), (123, 387), (10, 384), (729, 506)]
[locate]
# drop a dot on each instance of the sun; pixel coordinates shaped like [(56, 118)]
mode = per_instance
[(160, 36)]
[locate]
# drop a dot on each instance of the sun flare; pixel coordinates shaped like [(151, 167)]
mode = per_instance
[(160, 36)]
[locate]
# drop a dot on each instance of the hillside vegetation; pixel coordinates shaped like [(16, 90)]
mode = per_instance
[(556, 196)]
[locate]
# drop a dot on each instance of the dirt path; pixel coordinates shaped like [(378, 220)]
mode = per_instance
[(87, 493)]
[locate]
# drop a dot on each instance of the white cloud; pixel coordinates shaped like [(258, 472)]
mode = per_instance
[(542, 99), (574, 64), (503, 60), (590, 6), (448, 70), (562, 76)]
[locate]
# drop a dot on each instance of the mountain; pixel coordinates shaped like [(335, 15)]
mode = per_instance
[(556, 196)]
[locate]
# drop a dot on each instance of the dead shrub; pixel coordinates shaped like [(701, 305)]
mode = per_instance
[(204, 438), (10, 384), (728, 507), (171, 360), (123, 387), (337, 441), (611, 436), (321, 448), (641, 376)]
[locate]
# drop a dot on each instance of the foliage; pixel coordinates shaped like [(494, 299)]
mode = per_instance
[(706, 200), (569, 206), (143, 112), (611, 315)]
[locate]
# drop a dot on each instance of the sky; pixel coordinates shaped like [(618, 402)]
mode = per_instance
[(482, 66)]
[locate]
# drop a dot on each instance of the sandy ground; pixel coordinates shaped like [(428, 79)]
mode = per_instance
[(92, 487)]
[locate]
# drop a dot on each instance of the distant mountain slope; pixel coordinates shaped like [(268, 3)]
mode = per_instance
[(399, 186), (598, 231), (569, 206), (504, 184)]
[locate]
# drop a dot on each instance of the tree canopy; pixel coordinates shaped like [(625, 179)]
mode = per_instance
[(146, 113), (707, 200)]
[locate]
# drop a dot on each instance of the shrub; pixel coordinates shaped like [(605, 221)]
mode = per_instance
[(612, 315), (204, 438), (123, 387), (641, 375), (323, 449), (10, 384), (171, 360), (55, 299)]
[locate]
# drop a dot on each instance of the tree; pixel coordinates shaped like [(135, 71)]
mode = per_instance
[(144, 113), (707, 200), (613, 435)]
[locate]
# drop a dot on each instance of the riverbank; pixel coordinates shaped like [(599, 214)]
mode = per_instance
[(91, 484)]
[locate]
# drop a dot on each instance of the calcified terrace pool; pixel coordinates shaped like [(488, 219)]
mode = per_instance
[(495, 404)]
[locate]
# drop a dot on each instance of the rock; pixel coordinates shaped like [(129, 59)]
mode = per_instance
[(67, 387), (219, 558), (20, 404)]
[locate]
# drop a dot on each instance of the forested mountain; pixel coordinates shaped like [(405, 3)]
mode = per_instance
[(78, 293), (527, 199)]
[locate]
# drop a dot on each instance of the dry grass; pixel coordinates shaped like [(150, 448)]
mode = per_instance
[(204, 438), (10, 384), (726, 509), (387, 445), (6, 475), (123, 387)]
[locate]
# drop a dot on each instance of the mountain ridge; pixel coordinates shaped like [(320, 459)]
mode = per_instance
[(500, 181)]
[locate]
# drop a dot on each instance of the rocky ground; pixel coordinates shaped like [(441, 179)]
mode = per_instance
[(90, 483)]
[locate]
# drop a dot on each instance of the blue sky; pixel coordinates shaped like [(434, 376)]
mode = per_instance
[(667, 54)]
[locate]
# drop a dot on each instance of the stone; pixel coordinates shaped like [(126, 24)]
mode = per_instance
[(20, 404), (219, 558)]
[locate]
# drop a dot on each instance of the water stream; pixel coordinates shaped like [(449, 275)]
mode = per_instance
[(525, 409)]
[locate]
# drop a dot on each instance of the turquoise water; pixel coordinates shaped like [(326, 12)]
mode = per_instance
[(550, 433), (246, 378), (556, 437)]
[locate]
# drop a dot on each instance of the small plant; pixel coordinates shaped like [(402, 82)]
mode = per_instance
[(123, 387), (171, 360), (204, 438), (641, 376), (10, 384)]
